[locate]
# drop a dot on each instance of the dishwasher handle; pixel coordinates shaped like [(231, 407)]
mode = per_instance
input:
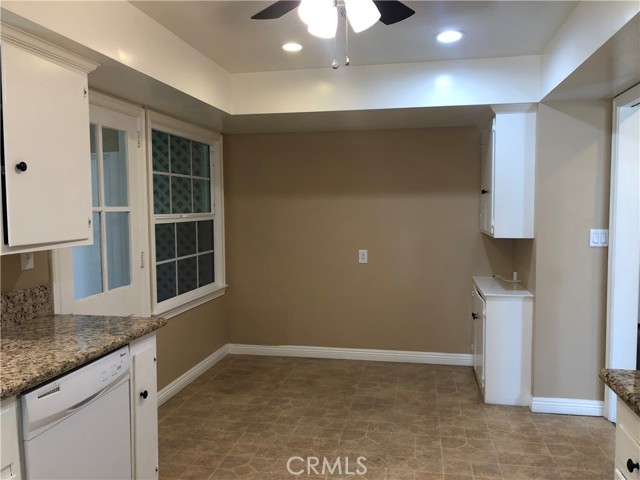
[(87, 400)]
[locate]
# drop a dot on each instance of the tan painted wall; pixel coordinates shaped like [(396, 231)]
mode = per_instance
[(524, 263), (299, 206), (189, 338), (572, 195), (13, 278)]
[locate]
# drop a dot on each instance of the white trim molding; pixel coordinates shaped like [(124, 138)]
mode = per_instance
[(46, 50), (437, 358), (190, 375), (624, 235), (568, 406)]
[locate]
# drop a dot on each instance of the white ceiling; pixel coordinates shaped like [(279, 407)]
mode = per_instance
[(224, 32)]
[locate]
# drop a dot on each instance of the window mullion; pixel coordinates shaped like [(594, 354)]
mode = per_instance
[(102, 214)]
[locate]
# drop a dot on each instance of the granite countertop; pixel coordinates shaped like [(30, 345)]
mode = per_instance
[(625, 384), (45, 347)]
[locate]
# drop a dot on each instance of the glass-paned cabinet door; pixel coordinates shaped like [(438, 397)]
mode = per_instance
[(106, 278)]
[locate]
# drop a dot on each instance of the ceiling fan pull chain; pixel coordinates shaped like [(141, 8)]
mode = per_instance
[(346, 42), (335, 63)]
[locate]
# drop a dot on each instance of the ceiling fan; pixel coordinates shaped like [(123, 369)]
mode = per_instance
[(391, 11)]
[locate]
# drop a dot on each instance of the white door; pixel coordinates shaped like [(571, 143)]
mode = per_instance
[(478, 318), (144, 398), (486, 179), (45, 139), (109, 277)]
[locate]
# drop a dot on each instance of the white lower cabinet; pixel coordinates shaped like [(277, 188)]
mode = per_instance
[(502, 339), (144, 415), (10, 468), (627, 443), (144, 407)]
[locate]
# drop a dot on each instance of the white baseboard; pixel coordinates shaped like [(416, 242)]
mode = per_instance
[(459, 359), (190, 375), (568, 406)]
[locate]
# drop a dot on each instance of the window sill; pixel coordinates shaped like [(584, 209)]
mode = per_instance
[(177, 310)]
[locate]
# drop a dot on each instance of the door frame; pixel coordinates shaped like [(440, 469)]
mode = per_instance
[(624, 251)]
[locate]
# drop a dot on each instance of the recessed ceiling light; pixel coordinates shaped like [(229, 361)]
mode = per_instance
[(292, 47), (449, 36)]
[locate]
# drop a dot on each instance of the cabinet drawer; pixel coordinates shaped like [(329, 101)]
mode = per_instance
[(629, 420), (627, 449)]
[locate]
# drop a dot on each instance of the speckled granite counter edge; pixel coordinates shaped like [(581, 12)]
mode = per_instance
[(25, 380), (625, 384)]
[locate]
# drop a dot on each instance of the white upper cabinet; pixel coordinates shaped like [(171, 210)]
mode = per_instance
[(508, 172), (46, 183)]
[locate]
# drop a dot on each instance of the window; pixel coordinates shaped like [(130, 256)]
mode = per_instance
[(158, 239), (187, 235)]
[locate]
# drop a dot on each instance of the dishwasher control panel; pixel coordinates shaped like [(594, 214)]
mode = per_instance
[(116, 367)]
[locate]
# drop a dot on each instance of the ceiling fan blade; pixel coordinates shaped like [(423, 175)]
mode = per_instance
[(276, 10), (393, 11)]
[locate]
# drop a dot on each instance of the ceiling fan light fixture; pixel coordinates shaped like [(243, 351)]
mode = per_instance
[(324, 22), (292, 47), (362, 14), (306, 10), (449, 36)]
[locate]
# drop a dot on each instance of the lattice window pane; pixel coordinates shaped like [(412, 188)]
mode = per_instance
[(160, 151), (205, 269), (187, 275), (166, 281), (205, 236), (200, 159), (161, 194), (180, 155), (186, 234), (181, 195), (201, 196), (165, 241)]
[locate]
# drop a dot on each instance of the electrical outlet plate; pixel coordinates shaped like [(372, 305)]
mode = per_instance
[(363, 256)]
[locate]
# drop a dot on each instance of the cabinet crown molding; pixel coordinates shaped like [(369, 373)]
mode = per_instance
[(46, 50)]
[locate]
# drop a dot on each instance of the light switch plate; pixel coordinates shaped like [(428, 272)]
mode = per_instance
[(363, 256), (599, 237)]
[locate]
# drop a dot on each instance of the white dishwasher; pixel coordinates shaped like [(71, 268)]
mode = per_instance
[(78, 427)]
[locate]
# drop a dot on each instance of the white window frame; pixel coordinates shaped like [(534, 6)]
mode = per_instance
[(181, 303)]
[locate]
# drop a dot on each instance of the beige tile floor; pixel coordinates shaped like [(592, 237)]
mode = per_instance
[(247, 416)]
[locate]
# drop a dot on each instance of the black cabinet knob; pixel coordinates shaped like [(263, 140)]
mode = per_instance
[(21, 167), (474, 316), (484, 192), (144, 394), (632, 466)]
